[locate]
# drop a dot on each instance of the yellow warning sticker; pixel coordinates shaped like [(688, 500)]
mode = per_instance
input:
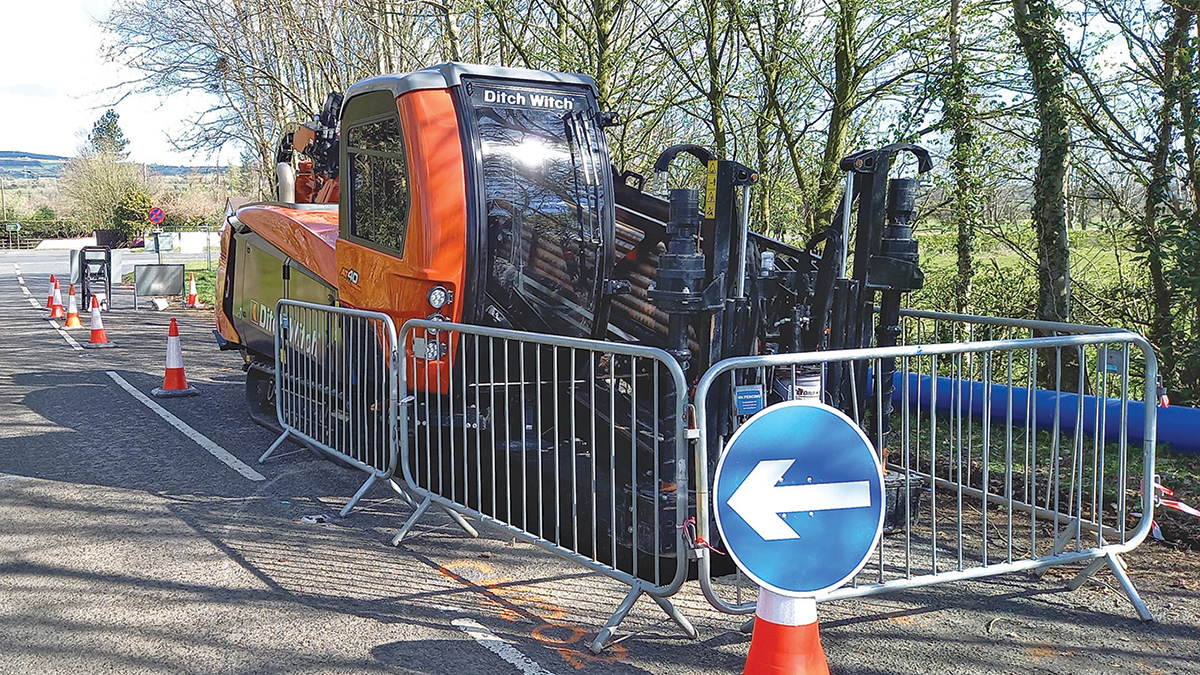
[(710, 191)]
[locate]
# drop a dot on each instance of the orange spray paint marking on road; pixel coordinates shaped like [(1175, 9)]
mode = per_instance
[(562, 637)]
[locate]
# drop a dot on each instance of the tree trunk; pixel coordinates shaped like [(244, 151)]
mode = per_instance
[(964, 166), (713, 54), (845, 61), (1190, 128), (1158, 194), (1035, 23), (605, 14)]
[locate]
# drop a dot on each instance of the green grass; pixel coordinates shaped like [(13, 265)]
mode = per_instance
[(1176, 470)]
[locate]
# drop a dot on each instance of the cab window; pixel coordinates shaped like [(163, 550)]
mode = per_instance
[(378, 182)]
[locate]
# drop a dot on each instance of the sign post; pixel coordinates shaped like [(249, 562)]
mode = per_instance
[(799, 502)]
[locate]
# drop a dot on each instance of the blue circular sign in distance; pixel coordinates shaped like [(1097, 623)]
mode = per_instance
[(156, 215), (799, 553)]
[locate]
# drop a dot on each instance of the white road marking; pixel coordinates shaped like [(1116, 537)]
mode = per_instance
[(66, 336), (37, 305), (499, 647), (200, 439)]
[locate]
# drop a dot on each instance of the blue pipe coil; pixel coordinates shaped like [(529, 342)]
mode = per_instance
[(1178, 426)]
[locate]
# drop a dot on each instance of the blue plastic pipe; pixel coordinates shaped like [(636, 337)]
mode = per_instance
[(1178, 426)]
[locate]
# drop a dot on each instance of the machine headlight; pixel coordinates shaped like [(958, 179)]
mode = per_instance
[(439, 297)]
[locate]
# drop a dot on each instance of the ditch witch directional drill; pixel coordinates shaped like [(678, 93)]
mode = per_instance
[(486, 196)]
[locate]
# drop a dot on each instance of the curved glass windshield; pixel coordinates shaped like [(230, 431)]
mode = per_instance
[(543, 171)]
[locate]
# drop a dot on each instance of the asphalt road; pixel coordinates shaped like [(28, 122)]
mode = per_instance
[(128, 547)]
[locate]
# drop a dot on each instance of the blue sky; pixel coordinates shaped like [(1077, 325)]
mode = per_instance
[(52, 87)]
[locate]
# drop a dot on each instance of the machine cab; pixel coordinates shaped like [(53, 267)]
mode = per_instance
[(491, 183)]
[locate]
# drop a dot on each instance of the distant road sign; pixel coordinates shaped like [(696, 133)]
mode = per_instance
[(13, 227), (156, 215), (799, 498)]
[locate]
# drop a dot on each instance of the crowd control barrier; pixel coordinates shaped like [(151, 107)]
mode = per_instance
[(336, 388), (1029, 489), (574, 445)]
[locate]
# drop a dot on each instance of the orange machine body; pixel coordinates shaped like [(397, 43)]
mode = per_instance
[(489, 199), (435, 250)]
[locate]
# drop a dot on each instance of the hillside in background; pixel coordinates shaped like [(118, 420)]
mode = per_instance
[(16, 164)]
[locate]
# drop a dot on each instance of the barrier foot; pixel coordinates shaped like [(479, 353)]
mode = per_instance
[(1118, 570), (676, 616), (412, 520), (462, 522), (615, 620), (358, 495), (402, 492), (1086, 573), (747, 626), (274, 446), (1060, 545)]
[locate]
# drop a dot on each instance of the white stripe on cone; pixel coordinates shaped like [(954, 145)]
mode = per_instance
[(73, 310), (56, 310), (174, 379), (98, 335), (192, 300)]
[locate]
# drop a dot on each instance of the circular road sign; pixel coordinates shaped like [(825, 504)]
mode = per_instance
[(156, 215), (799, 498)]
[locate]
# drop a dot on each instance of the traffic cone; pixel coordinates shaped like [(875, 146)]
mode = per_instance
[(786, 638), (50, 297), (174, 381), (192, 301), (56, 309), (73, 310), (99, 337)]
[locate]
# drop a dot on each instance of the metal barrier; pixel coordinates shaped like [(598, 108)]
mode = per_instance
[(336, 386), (576, 446), (989, 473)]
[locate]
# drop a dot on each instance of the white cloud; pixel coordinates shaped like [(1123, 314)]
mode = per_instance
[(54, 86)]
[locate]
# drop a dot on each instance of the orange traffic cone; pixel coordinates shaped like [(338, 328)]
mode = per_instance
[(99, 337), (56, 308), (50, 297), (73, 310), (174, 381), (192, 301), (786, 639)]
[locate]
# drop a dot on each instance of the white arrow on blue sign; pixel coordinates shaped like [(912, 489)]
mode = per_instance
[(799, 498)]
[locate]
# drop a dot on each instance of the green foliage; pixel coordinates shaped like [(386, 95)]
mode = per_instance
[(44, 213), (95, 186), (53, 229), (995, 291), (106, 137), (129, 215)]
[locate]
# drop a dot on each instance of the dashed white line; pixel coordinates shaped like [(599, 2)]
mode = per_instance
[(65, 335), (200, 439), (499, 647), (37, 305)]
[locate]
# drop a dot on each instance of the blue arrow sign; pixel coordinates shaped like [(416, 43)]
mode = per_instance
[(799, 498)]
